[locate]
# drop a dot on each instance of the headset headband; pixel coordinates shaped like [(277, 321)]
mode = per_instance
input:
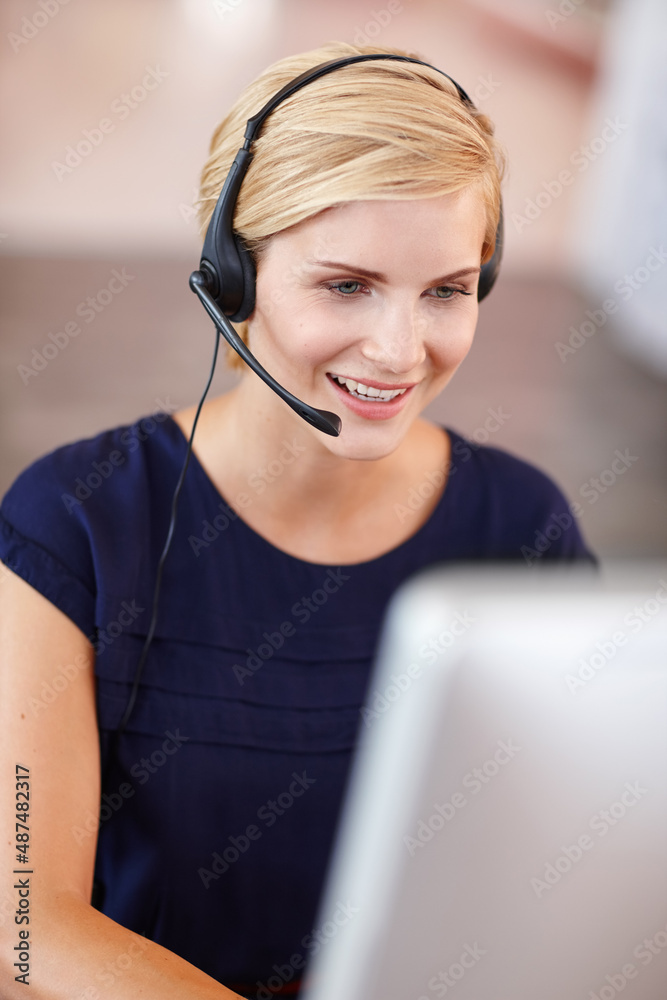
[(226, 263)]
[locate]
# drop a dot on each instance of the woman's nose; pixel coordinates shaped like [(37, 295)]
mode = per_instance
[(396, 342)]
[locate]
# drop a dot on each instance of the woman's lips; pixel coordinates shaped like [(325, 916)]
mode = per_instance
[(373, 409), (371, 382)]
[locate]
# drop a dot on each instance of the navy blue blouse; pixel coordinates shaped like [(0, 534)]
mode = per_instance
[(220, 810)]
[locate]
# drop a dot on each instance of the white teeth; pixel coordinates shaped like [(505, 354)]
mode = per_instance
[(360, 390)]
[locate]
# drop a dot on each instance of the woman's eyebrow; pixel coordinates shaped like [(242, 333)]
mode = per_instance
[(340, 266), (377, 276)]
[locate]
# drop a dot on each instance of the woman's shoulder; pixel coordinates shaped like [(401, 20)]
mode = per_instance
[(82, 504), (98, 465), (500, 467), (514, 503)]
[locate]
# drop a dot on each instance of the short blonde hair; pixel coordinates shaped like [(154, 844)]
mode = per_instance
[(368, 131)]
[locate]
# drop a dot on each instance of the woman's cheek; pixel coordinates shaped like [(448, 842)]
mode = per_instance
[(322, 333), (451, 347)]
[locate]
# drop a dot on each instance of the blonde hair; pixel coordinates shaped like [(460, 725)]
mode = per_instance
[(369, 130)]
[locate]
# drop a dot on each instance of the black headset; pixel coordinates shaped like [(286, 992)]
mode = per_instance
[(225, 281)]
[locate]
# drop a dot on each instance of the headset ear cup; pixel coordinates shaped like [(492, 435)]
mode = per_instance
[(249, 279), (490, 270)]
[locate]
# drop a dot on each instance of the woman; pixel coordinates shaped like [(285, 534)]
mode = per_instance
[(371, 203)]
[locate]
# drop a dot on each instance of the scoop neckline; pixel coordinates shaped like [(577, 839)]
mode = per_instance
[(393, 552)]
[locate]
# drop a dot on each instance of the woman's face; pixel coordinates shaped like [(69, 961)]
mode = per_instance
[(368, 309)]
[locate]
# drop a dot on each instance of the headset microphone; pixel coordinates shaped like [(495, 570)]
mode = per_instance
[(323, 420)]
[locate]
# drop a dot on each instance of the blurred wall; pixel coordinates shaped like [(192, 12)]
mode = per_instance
[(107, 110), (186, 60), (619, 241)]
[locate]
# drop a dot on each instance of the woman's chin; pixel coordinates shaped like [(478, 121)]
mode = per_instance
[(367, 444)]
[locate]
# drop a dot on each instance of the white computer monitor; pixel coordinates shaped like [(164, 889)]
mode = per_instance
[(505, 833)]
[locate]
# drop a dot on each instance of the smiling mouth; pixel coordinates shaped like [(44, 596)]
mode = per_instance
[(367, 392)]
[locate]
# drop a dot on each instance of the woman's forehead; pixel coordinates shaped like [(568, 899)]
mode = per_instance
[(389, 229)]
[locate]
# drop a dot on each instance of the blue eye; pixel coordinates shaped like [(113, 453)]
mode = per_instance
[(445, 292), (346, 287)]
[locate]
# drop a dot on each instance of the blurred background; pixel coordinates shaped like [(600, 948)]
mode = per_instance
[(107, 111)]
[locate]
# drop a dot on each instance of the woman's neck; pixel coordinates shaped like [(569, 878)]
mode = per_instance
[(286, 484)]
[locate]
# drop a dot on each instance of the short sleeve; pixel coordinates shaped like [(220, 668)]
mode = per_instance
[(44, 537)]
